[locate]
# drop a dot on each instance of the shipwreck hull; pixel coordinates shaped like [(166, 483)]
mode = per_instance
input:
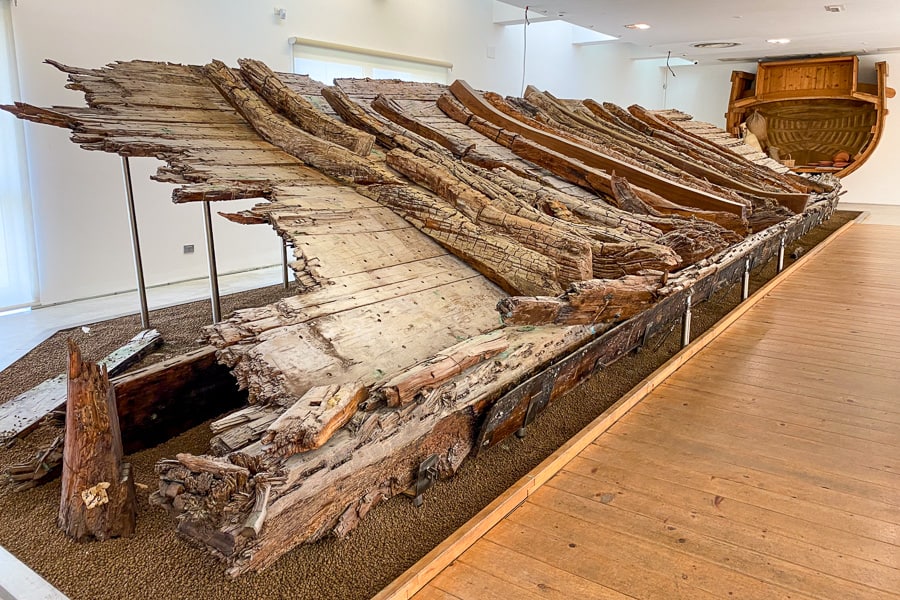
[(462, 259)]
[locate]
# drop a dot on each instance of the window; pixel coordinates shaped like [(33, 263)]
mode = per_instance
[(18, 277), (325, 62)]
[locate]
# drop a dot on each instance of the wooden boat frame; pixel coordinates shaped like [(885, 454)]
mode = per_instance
[(833, 80)]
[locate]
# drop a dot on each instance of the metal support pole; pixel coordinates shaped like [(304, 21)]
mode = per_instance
[(686, 321), (135, 244), (745, 281), (780, 266), (284, 264), (211, 260)]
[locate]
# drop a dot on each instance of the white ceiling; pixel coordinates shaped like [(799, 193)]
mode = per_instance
[(864, 27)]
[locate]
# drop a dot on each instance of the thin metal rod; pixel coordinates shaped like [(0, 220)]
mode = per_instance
[(745, 281), (780, 267), (135, 244), (284, 264), (211, 260), (686, 322)]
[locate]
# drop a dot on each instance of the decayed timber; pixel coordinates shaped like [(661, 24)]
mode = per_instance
[(676, 192), (300, 111), (411, 384), (392, 352), (24, 412), (571, 253), (389, 109), (313, 419), (585, 302), (375, 457), (97, 498), (507, 414)]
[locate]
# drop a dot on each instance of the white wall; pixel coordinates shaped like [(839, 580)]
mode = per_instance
[(703, 90), (81, 223), (872, 183)]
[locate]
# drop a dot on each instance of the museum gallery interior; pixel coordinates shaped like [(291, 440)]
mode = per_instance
[(449, 300)]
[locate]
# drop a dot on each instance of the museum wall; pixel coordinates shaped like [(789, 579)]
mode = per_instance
[(872, 182), (81, 223)]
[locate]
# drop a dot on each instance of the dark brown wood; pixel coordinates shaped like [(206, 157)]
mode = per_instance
[(674, 191), (160, 401), (97, 498)]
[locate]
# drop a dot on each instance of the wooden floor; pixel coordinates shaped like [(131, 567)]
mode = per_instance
[(766, 467)]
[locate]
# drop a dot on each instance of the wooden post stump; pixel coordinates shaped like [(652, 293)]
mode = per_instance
[(97, 499)]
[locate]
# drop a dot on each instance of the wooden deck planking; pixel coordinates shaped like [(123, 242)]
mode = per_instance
[(767, 466)]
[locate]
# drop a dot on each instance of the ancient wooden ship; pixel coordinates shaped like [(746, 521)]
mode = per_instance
[(462, 259), (818, 113)]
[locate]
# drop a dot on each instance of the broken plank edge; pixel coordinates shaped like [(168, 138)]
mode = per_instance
[(515, 408), (429, 566)]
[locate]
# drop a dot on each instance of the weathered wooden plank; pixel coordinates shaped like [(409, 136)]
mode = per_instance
[(97, 499), (508, 414), (24, 412), (674, 191)]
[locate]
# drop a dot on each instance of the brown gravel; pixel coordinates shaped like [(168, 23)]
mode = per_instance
[(156, 564)]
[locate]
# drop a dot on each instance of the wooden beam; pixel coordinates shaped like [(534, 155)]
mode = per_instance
[(24, 412), (168, 398), (429, 566), (669, 189)]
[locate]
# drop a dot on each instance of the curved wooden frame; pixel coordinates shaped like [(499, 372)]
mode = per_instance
[(778, 87)]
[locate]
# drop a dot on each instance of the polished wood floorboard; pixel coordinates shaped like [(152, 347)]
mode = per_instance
[(768, 466)]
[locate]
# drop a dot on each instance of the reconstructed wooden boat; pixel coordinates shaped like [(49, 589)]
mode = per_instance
[(818, 113), (462, 260)]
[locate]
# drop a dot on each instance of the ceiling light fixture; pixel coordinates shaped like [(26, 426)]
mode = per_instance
[(779, 41), (640, 26), (715, 44)]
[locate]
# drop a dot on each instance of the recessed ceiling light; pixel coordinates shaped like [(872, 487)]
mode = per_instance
[(637, 26), (779, 41), (715, 44)]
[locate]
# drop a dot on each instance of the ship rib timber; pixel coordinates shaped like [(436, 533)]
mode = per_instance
[(399, 282)]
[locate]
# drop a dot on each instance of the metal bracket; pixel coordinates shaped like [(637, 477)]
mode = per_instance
[(686, 321), (649, 330), (538, 402), (425, 478), (780, 266), (745, 281)]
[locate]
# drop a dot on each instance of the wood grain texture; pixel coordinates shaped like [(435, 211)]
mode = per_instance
[(728, 488)]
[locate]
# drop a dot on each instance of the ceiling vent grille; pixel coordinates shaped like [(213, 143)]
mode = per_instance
[(835, 8)]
